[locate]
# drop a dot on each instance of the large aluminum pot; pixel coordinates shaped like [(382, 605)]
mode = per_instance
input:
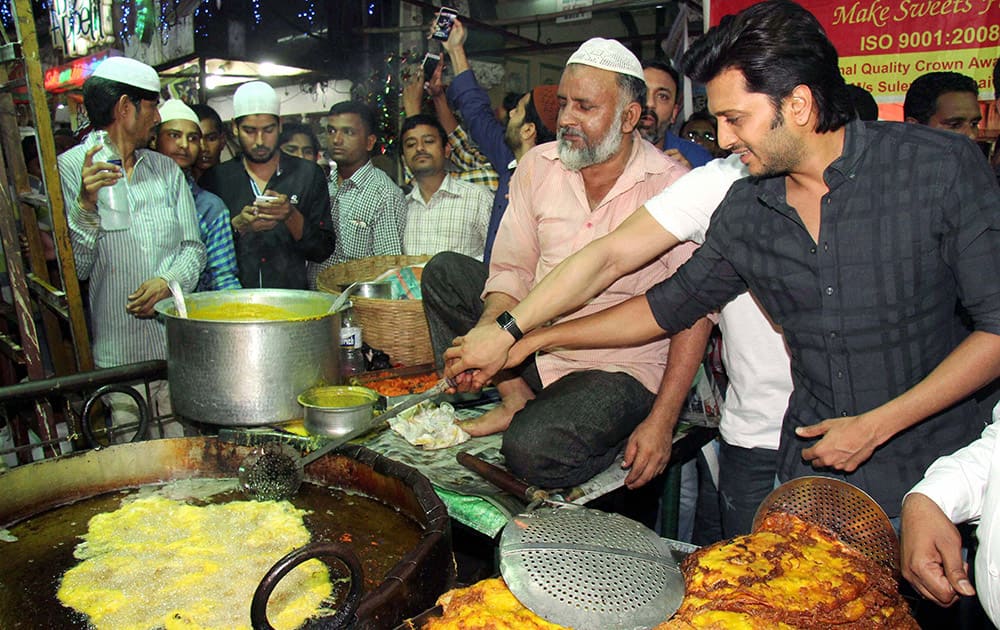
[(250, 373)]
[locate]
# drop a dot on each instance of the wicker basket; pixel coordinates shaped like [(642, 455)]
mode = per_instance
[(397, 327)]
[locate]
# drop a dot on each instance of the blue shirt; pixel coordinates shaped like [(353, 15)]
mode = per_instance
[(217, 235), (488, 132), (693, 152)]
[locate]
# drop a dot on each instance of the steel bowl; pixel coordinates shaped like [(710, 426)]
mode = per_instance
[(374, 290), (337, 410)]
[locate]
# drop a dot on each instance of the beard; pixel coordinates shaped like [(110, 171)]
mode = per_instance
[(780, 154), (512, 136), (651, 133), (591, 153), (256, 155)]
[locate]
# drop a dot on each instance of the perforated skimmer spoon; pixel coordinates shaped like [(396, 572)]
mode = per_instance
[(274, 471)]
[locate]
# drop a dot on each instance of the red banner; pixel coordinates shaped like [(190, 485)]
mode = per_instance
[(885, 44)]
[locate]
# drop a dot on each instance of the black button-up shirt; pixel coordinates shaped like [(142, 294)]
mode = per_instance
[(908, 229), (272, 258)]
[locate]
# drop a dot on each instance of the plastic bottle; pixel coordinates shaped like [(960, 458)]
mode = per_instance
[(112, 201), (352, 360)]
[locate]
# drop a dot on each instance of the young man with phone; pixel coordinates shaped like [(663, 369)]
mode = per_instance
[(278, 204)]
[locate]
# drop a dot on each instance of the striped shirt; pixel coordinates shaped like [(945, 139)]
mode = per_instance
[(217, 235), (455, 219), (162, 241)]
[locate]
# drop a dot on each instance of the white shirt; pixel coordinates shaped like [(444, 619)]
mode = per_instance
[(966, 486), (753, 350)]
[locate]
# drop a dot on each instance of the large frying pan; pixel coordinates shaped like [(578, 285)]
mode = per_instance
[(411, 586)]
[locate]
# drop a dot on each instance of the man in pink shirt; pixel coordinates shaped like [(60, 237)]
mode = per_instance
[(567, 414)]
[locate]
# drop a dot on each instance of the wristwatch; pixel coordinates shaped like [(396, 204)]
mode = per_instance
[(508, 323)]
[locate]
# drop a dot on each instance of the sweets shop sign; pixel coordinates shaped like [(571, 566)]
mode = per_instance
[(885, 44)]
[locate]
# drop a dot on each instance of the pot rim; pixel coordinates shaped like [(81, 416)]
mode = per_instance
[(354, 389)]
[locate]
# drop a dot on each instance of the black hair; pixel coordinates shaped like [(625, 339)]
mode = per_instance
[(29, 147), (542, 132), (361, 109), (423, 119), (205, 112), (633, 89), (777, 45), (100, 96), (510, 100), (290, 129), (665, 66), (701, 114), (863, 101), (921, 98)]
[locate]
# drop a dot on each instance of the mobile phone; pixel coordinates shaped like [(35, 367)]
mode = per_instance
[(445, 19), (430, 64), (264, 199)]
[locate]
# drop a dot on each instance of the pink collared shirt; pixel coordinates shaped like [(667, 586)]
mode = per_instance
[(548, 218)]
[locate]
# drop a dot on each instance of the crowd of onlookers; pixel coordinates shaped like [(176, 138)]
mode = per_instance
[(848, 265)]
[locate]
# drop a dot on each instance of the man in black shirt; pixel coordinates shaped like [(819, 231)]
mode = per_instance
[(857, 238), (278, 203)]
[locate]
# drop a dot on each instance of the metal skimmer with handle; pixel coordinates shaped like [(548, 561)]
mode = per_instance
[(847, 511), (589, 569), (274, 471)]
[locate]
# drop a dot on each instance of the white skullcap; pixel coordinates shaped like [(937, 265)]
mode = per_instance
[(130, 72), (255, 97), (176, 109), (607, 54)]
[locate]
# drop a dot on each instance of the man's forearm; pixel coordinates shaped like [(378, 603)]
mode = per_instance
[(593, 269), (969, 367), (687, 349), (627, 324), (493, 305), (459, 62)]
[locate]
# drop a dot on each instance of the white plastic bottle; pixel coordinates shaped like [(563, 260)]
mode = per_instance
[(352, 360), (112, 201)]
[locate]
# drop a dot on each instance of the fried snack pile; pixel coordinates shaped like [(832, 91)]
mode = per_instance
[(404, 385), (787, 575), (486, 605), (159, 563)]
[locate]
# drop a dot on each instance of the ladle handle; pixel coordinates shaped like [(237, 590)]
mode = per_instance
[(501, 478), (344, 616)]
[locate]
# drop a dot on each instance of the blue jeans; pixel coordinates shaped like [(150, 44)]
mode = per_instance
[(746, 477)]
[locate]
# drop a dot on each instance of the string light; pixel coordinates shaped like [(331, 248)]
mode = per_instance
[(6, 16), (309, 12), (256, 11)]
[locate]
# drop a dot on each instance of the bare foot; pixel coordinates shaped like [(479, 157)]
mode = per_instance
[(514, 395)]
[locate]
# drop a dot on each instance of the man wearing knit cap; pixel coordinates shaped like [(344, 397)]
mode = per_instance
[(179, 138), (129, 268), (531, 122), (278, 205), (568, 414)]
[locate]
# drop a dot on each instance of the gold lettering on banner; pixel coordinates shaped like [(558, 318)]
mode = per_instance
[(908, 10), (875, 13), (987, 6)]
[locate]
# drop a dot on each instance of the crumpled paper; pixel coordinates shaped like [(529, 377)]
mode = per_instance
[(429, 426)]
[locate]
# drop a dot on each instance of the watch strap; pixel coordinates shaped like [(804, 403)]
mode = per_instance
[(508, 323)]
